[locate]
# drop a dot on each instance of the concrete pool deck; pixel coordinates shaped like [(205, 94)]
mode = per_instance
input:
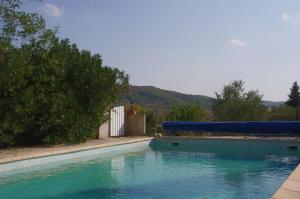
[(290, 189), (16, 154)]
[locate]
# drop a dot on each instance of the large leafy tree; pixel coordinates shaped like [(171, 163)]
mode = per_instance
[(234, 104), (50, 91), (294, 98)]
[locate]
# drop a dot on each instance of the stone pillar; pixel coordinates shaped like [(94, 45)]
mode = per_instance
[(104, 130), (135, 124)]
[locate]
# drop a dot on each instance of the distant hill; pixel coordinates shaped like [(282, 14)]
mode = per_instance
[(156, 97), (272, 104), (159, 98)]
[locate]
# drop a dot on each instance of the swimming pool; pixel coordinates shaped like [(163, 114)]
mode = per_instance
[(168, 168)]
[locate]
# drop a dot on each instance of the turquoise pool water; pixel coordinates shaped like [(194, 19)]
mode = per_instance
[(170, 169)]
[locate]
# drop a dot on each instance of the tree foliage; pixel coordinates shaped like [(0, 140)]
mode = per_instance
[(19, 26), (50, 91), (188, 112), (234, 104), (281, 113), (294, 98)]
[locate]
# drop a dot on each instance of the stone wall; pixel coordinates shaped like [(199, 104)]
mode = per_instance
[(135, 124), (104, 130)]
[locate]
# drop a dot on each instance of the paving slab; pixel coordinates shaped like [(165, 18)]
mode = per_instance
[(290, 189)]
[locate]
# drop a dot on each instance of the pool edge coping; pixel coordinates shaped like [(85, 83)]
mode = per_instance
[(76, 150), (237, 138), (290, 188), (138, 139)]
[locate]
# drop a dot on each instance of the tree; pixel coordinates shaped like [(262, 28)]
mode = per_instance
[(294, 98), (283, 112), (233, 104), (188, 112), (50, 91), (18, 26)]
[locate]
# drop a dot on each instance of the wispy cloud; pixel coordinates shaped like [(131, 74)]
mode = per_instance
[(237, 42), (286, 17), (52, 10)]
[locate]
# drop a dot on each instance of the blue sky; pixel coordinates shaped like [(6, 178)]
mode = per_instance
[(191, 46)]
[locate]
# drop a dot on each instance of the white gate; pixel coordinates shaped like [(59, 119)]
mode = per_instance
[(117, 121)]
